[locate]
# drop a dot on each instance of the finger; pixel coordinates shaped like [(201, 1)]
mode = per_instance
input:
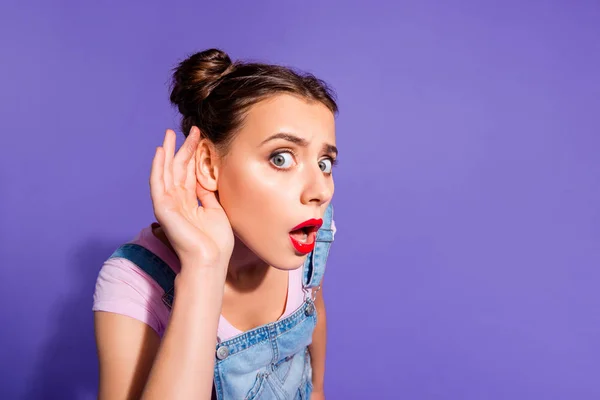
[(183, 156), (190, 182), (207, 198), (169, 148), (157, 184)]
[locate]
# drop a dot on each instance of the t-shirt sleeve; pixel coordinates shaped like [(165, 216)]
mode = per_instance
[(123, 288)]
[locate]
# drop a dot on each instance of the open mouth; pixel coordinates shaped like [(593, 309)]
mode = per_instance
[(303, 236)]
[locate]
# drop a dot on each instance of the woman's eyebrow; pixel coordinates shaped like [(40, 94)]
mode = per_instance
[(327, 148), (287, 136)]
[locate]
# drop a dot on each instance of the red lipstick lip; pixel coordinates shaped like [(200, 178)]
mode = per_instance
[(312, 226), (313, 222), (304, 248)]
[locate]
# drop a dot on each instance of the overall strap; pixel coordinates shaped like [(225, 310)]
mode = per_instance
[(314, 265), (152, 265)]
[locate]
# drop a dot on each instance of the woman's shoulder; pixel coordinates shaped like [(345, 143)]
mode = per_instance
[(123, 287)]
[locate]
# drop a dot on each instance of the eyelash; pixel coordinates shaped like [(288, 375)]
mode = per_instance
[(334, 161)]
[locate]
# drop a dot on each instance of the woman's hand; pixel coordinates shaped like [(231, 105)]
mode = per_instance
[(202, 233)]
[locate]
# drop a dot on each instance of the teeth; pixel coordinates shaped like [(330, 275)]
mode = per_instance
[(300, 235), (304, 237)]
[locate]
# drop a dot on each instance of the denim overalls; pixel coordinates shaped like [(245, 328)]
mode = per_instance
[(268, 362)]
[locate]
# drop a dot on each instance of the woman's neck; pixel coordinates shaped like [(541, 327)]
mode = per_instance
[(246, 270)]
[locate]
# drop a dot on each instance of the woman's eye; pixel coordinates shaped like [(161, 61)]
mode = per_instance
[(282, 160), (326, 165)]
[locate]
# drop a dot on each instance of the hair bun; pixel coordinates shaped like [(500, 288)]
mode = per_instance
[(195, 78)]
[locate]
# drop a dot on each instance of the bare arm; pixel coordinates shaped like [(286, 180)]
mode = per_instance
[(134, 363), (184, 365), (318, 346), (126, 351)]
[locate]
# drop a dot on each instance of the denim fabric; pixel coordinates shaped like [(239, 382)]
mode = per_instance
[(271, 361)]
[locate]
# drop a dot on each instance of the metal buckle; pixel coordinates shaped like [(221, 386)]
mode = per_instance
[(314, 292)]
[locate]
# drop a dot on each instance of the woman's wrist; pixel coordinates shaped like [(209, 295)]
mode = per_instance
[(198, 280), (194, 275), (199, 293)]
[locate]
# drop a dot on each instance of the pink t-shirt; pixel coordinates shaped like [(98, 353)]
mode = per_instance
[(123, 288)]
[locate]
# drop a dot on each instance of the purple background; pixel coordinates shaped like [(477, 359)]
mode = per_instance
[(466, 261)]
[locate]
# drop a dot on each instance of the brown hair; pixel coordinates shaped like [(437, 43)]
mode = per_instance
[(214, 94)]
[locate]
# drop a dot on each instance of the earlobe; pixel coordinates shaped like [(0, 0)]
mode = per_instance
[(206, 168)]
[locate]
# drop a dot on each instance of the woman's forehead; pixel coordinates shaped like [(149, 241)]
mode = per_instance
[(284, 113)]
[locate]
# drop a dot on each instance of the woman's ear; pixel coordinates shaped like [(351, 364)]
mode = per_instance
[(207, 164)]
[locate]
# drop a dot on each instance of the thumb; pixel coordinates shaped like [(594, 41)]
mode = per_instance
[(207, 197)]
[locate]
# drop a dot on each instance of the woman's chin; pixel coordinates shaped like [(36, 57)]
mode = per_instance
[(286, 263), (283, 257)]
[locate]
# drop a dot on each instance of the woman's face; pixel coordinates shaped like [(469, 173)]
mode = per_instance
[(277, 175)]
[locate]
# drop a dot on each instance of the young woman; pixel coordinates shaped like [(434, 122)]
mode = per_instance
[(221, 295)]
